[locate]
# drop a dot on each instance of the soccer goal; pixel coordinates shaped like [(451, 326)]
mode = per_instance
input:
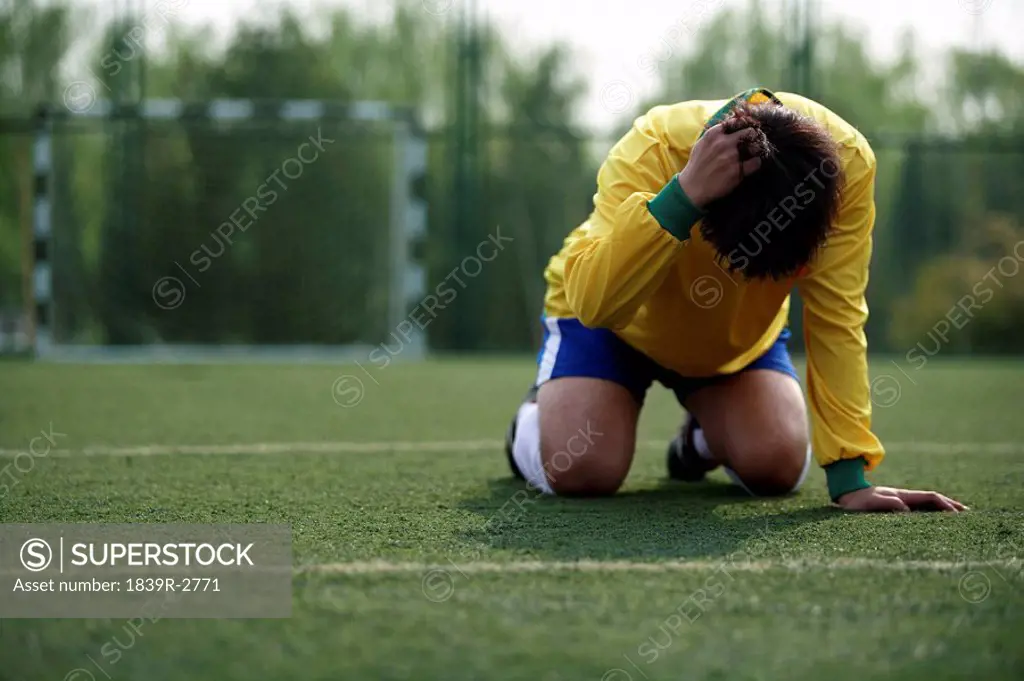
[(245, 229)]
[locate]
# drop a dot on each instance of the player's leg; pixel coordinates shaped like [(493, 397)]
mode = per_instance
[(754, 424), (575, 435)]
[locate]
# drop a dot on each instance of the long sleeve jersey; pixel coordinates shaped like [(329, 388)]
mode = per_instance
[(666, 295)]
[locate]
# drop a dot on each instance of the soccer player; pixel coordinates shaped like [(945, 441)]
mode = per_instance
[(707, 214)]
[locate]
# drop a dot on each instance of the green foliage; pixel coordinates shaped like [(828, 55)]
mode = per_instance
[(739, 48), (986, 92), (971, 300)]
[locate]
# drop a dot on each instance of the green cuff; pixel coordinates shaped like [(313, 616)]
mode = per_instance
[(674, 211), (845, 476)]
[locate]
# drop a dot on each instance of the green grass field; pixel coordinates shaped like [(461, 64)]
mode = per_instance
[(413, 567)]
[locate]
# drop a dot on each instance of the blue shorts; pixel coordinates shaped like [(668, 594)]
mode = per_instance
[(571, 349)]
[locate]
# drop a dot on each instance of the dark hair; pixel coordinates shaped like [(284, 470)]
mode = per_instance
[(777, 219)]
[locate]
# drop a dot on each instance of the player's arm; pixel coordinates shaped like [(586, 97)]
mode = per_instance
[(640, 221), (835, 311)]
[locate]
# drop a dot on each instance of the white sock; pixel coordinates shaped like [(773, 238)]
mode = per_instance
[(701, 445), (526, 448)]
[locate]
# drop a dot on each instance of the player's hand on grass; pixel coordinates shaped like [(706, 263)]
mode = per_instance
[(716, 165), (893, 499)]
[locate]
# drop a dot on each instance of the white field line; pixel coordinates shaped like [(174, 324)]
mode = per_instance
[(727, 564), (349, 447), (730, 563)]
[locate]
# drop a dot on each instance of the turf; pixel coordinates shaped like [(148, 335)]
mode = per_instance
[(788, 600)]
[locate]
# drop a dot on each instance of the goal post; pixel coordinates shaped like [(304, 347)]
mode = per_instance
[(364, 130)]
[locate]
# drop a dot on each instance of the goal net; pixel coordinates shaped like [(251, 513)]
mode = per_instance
[(231, 227)]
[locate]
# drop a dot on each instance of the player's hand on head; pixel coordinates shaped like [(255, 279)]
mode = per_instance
[(901, 500), (716, 164)]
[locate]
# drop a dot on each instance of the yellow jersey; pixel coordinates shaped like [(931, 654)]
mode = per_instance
[(669, 298)]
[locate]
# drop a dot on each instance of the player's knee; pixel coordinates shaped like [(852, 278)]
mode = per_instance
[(772, 466), (587, 484), (595, 472)]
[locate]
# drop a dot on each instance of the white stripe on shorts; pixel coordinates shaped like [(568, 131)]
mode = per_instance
[(554, 341)]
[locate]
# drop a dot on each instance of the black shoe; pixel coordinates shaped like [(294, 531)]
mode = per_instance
[(510, 434), (684, 463)]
